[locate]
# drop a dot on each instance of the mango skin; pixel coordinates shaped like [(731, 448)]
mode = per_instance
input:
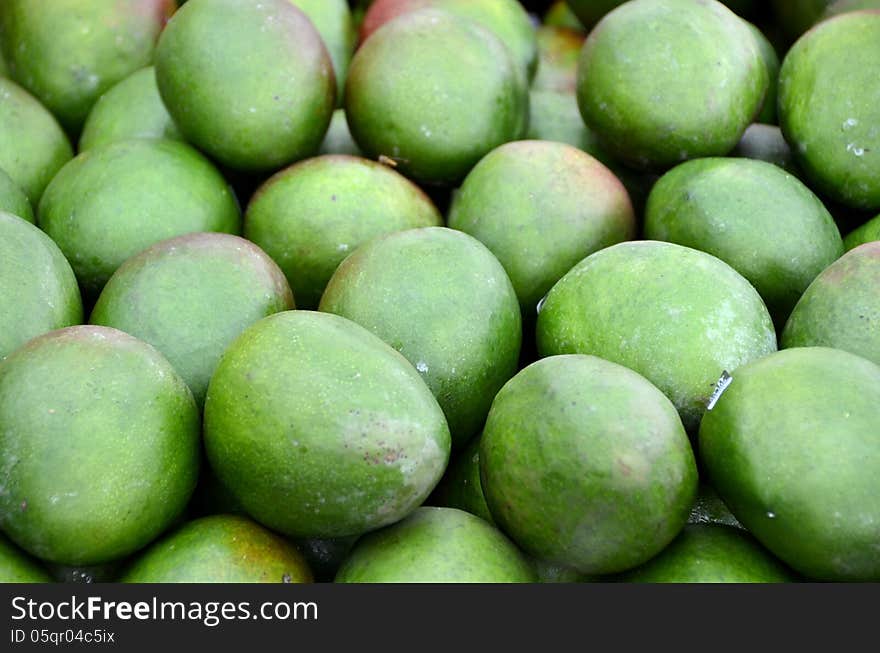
[(828, 109), (760, 445), (866, 233), (249, 82), (586, 464), (100, 445), (68, 52), (38, 291), (13, 200), (645, 97), (18, 567), (332, 19), (506, 19), (320, 429), (711, 553), (312, 215), (540, 207), (841, 308), (130, 109), (162, 188), (220, 549), (33, 148), (436, 545), (760, 220), (675, 315), (444, 301), (190, 297), (406, 97)]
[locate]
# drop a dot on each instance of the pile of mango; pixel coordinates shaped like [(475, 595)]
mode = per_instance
[(439, 291)]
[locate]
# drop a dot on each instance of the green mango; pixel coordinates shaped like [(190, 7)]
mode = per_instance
[(841, 308), (321, 430), (866, 233), (540, 207), (18, 567), (711, 553), (130, 109), (792, 447), (311, 216), (33, 148), (114, 201), (38, 291), (230, 283), (433, 93), (752, 215), (444, 301), (220, 549), (436, 545), (13, 200), (828, 109), (586, 464), (249, 82), (68, 52), (647, 98), (678, 316), (100, 445)]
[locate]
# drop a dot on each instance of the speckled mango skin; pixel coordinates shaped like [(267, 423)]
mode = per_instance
[(711, 553), (867, 233), (68, 52), (461, 486), (100, 445), (32, 145), (130, 109), (841, 308), (309, 217), (249, 82), (444, 301), (13, 200), (752, 215), (829, 107), (760, 445), (506, 19), (437, 545), (677, 316), (434, 92), (332, 20), (220, 549), (540, 207), (190, 297), (161, 188), (38, 291), (663, 81), (18, 567), (320, 429), (586, 464)]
